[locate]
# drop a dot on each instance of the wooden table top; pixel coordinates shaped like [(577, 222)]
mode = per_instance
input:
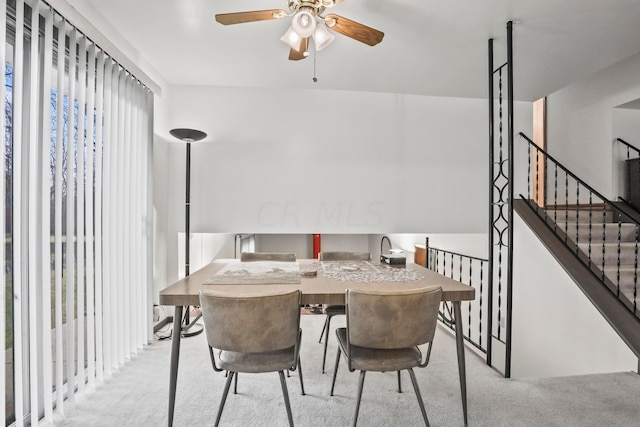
[(315, 290)]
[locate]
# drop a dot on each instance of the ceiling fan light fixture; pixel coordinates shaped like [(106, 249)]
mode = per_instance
[(322, 37), (292, 39), (304, 23)]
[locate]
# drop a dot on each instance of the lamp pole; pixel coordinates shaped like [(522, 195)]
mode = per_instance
[(187, 208), (188, 136)]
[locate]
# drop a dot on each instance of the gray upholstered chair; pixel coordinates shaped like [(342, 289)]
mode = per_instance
[(253, 334), (336, 309), (375, 340), (267, 256)]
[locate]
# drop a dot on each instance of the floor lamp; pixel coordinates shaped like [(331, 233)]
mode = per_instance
[(188, 136)]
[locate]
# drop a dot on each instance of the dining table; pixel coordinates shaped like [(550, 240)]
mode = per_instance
[(319, 283)]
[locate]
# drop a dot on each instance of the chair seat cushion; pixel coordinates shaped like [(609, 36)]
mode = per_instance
[(271, 361), (334, 310), (382, 360)]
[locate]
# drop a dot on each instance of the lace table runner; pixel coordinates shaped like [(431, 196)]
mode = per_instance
[(364, 271), (257, 273)]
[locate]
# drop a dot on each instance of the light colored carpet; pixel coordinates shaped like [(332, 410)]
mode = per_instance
[(137, 394)]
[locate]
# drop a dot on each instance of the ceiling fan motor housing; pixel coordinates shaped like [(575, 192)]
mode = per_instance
[(314, 7)]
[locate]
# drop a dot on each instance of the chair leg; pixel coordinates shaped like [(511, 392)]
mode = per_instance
[(326, 341), (360, 386), (420, 402), (300, 375), (224, 397), (324, 327), (399, 383), (235, 384), (335, 371), (285, 393)]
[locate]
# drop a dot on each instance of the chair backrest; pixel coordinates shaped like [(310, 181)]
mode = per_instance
[(392, 319), (251, 324), (267, 256), (344, 256)]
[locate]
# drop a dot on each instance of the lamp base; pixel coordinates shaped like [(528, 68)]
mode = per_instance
[(394, 260)]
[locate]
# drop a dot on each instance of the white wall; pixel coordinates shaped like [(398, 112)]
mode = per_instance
[(469, 244), (580, 130), (626, 126), (292, 161), (273, 163), (556, 330), (432, 179), (163, 242), (302, 244), (472, 244)]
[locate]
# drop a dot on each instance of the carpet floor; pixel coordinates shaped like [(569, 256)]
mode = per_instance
[(137, 394)]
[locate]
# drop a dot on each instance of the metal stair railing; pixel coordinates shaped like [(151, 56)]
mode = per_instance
[(600, 234), (471, 271)]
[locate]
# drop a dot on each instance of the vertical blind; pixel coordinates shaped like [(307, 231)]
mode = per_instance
[(75, 188)]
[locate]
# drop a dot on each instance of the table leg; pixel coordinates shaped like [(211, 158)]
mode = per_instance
[(461, 362), (175, 357)]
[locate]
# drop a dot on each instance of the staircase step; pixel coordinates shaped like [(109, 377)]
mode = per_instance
[(627, 253), (580, 215), (594, 232), (630, 296), (628, 282), (629, 276), (598, 230)]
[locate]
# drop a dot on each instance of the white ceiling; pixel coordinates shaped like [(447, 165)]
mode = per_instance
[(430, 47)]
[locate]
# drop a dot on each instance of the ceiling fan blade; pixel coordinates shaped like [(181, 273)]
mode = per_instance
[(256, 15), (353, 29), (296, 55)]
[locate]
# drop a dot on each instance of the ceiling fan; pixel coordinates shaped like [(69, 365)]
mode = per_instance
[(308, 22)]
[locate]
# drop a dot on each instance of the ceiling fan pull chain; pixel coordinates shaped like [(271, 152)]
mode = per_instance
[(315, 79)]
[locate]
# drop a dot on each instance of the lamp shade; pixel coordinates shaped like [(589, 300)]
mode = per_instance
[(322, 37), (303, 23), (188, 135), (292, 39)]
